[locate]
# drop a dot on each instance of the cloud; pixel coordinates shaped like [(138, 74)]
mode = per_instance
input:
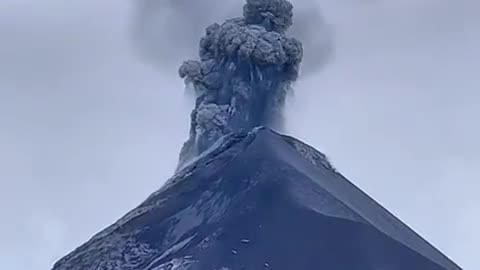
[(159, 24)]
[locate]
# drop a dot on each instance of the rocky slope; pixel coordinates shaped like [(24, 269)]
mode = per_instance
[(257, 200)]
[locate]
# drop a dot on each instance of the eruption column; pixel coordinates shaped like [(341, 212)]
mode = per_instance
[(245, 70)]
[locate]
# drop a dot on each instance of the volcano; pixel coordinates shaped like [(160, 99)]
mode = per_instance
[(257, 200), (244, 196)]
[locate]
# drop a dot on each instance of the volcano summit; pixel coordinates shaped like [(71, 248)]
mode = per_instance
[(245, 196)]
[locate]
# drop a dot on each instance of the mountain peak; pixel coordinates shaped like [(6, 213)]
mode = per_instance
[(257, 198)]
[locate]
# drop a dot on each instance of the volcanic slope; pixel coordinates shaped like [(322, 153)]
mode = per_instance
[(257, 200)]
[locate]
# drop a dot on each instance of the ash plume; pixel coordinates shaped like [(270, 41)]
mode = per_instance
[(245, 69), (160, 23)]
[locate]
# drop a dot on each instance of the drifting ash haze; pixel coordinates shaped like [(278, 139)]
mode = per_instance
[(252, 198), (158, 24)]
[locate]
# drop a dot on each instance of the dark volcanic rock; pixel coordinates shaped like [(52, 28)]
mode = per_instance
[(257, 200)]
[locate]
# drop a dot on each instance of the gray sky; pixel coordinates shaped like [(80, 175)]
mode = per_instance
[(88, 129)]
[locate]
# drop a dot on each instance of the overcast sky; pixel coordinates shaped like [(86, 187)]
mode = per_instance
[(88, 128)]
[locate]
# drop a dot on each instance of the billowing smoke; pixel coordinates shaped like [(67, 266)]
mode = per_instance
[(167, 31), (245, 70)]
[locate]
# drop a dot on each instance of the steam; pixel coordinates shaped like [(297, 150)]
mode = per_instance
[(161, 23), (246, 67)]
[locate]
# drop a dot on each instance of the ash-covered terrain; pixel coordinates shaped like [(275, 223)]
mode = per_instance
[(244, 196)]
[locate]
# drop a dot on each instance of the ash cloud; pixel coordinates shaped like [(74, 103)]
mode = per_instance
[(159, 24), (245, 69)]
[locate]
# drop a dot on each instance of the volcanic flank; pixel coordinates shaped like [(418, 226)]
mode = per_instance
[(245, 196)]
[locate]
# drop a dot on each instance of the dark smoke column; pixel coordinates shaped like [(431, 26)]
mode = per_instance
[(256, 199), (245, 70)]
